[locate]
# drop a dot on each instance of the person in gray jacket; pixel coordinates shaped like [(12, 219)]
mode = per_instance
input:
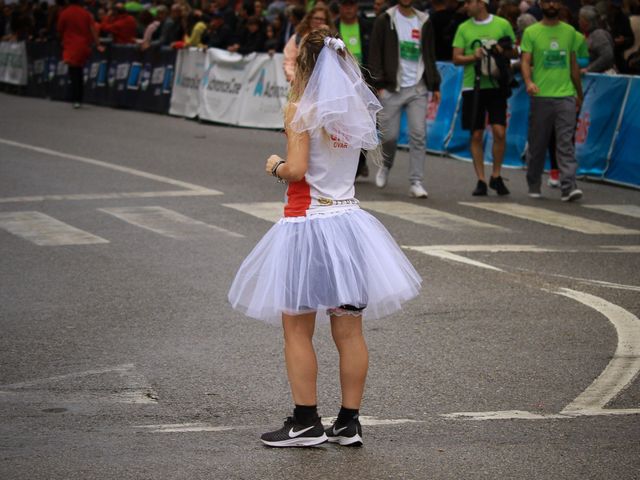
[(403, 69), (600, 42)]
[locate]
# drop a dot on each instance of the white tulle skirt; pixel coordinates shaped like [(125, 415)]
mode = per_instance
[(311, 264)]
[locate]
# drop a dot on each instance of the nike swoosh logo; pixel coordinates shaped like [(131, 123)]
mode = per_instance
[(293, 434), (336, 432)]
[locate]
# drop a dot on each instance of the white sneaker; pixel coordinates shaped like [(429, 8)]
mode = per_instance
[(76, 105), (417, 190), (553, 183), (382, 176)]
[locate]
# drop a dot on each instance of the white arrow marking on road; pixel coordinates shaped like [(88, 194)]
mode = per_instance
[(165, 222), (555, 219), (427, 216), (44, 230), (628, 210), (625, 364), (619, 373), (111, 166), (434, 252)]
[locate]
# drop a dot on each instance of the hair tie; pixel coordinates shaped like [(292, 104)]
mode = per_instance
[(334, 43)]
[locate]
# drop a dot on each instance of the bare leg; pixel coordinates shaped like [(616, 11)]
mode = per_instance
[(499, 142), (477, 152), (354, 358), (300, 357)]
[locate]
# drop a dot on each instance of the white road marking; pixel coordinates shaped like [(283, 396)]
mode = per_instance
[(108, 196), (628, 210), (44, 230), (135, 388), (165, 222), (619, 373), (427, 216), (625, 364), (204, 427), (127, 367), (269, 211), (600, 283), (444, 254), (489, 248), (555, 219), (111, 166), (502, 415)]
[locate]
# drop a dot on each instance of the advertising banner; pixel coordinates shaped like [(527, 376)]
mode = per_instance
[(624, 165), (189, 72), (603, 98), (223, 85), (13, 63), (154, 80), (264, 93), (440, 116), (37, 74)]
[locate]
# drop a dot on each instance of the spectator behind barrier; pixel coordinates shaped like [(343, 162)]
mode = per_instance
[(599, 41), (218, 35), (317, 17), (120, 25), (620, 29)]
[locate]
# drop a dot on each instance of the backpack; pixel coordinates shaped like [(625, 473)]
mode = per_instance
[(496, 65)]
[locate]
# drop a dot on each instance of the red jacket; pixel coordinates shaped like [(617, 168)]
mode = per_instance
[(74, 27), (122, 27)]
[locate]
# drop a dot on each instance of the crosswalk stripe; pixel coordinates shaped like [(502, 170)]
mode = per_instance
[(165, 222), (628, 210), (556, 219), (427, 216), (269, 211), (44, 230)]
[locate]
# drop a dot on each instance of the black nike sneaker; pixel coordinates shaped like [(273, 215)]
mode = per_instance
[(293, 434), (349, 435)]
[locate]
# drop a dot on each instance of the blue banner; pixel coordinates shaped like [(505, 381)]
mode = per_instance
[(603, 98), (440, 116), (624, 165)]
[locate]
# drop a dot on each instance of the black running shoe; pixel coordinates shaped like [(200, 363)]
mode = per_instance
[(349, 435), (481, 189), (292, 434), (498, 185)]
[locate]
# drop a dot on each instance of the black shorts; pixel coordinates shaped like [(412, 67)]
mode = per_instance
[(490, 101)]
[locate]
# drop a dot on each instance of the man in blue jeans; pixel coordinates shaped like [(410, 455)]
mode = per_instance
[(403, 68)]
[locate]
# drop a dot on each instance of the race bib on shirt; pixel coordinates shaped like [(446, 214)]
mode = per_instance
[(555, 57), (410, 49)]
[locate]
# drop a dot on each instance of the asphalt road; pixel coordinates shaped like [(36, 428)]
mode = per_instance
[(120, 233)]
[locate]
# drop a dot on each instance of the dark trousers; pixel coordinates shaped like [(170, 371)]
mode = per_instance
[(76, 78)]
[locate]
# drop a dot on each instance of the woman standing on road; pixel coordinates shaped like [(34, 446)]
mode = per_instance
[(326, 257), (77, 31)]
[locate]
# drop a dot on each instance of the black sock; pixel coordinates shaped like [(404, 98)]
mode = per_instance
[(306, 414), (346, 415)]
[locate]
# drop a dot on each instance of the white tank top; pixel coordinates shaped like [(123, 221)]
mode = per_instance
[(327, 187)]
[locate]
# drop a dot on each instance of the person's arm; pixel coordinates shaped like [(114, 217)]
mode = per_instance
[(295, 167), (459, 58), (431, 58), (289, 63), (525, 66), (575, 78), (601, 52)]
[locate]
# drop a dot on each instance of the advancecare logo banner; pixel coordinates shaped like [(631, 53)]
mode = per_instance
[(13, 63), (223, 86), (189, 74), (266, 91)]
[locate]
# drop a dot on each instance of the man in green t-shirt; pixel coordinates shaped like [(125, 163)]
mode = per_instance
[(486, 98), (552, 76)]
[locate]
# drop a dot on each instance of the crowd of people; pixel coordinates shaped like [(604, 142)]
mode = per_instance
[(397, 45), (611, 27)]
